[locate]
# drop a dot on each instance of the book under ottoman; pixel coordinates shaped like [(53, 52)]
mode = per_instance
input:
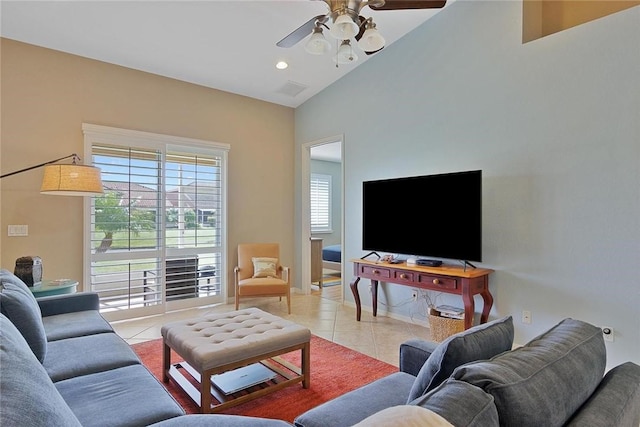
[(216, 343)]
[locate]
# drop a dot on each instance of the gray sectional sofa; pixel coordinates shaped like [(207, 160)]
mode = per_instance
[(61, 364), (557, 379)]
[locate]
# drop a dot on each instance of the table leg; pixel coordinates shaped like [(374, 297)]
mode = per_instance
[(306, 365), (488, 303), (166, 362), (205, 393), (469, 309), (356, 296), (374, 296)]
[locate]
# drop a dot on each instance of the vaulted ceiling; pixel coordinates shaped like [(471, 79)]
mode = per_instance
[(223, 44)]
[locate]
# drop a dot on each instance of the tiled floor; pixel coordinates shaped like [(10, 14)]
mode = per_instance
[(378, 337)]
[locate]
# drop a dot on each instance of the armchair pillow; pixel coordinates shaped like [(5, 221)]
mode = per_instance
[(264, 267), (477, 343), (21, 308)]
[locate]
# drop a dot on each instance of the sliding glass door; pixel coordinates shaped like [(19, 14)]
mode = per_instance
[(157, 234)]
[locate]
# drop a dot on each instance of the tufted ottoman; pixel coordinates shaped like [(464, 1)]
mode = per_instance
[(220, 342)]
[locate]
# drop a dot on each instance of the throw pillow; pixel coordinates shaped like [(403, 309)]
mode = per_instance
[(264, 267), (545, 381), (477, 343), (28, 396), (21, 308), (404, 416)]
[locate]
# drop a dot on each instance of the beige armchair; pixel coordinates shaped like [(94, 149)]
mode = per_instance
[(260, 274)]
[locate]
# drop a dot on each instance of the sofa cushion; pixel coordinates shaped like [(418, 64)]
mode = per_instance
[(69, 303), (220, 420), (131, 392), (547, 380), (461, 404), (414, 353), (76, 324), (615, 402), (87, 355), (477, 343), (21, 308), (404, 416), (27, 395), (358, 404)]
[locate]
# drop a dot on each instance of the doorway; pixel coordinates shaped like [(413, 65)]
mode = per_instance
[(325, 219)]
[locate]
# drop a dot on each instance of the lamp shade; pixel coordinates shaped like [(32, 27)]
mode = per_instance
[(317, 44), (71, 180), (344, 28), (371, 40), (345, 53)]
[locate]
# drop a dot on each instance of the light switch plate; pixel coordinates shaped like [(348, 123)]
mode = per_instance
[(18, 230)]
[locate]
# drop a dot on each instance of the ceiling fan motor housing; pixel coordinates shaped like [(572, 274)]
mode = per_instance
[(350, 7)]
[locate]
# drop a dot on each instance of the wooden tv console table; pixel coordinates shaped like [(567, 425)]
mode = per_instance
[(449, 279)]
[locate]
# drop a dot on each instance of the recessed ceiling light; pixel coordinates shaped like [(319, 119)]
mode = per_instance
[(281, 65)]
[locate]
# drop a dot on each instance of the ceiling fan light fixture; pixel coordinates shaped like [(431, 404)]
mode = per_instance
[(344, 27), (345, 54), (317, 44), (371, 40)]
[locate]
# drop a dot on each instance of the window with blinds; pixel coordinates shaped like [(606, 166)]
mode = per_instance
[(126, 239), (157, 232), (320, 193)]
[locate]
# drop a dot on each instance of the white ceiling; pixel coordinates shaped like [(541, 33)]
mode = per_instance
[(223, 44)]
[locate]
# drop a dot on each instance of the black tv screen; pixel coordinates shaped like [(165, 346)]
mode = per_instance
[(438, 216)]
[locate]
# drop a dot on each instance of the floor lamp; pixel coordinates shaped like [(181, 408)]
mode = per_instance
[(67, 179)]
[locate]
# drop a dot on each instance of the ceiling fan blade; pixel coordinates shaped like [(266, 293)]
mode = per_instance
[(375, 51), (301, 32), (410, 4)]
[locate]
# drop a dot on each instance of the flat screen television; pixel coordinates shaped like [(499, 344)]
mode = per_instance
[(429, 216)]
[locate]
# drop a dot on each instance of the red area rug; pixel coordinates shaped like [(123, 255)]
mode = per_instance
[(335, 370)]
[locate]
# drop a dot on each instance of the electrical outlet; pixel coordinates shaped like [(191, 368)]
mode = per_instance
[(607, 333), (526, 316), (414, 295)]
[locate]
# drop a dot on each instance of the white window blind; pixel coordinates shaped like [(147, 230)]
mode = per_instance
[(320, 203), (126, 244)]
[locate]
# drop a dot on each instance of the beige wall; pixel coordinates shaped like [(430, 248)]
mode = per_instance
[(46, 96), (541, 18)]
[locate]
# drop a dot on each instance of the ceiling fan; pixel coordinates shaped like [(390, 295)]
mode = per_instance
[(347, 23)]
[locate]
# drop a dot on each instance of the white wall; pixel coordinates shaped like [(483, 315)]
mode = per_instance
[(555, 126)]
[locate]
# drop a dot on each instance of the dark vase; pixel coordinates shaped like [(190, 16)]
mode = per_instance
[(29, 269)]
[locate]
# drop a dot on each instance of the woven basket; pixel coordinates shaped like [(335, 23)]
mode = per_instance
[(443, 327)]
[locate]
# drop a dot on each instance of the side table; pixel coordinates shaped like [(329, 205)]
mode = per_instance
[(54, 287)]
